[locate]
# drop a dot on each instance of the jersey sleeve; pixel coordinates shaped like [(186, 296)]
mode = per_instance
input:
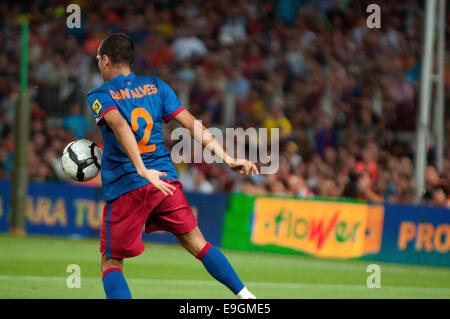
[(100, 103), (171, 105)]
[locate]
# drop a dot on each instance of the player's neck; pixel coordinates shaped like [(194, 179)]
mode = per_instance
[(118, 71)]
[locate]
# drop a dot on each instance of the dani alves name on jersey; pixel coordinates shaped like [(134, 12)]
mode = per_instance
[(135, 93)]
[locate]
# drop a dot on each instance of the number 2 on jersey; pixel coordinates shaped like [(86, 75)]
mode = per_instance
[(140, 112)]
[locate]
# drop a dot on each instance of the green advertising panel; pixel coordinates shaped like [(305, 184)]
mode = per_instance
[(320, 227)]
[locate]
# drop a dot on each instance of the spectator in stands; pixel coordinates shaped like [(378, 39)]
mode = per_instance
[(188, 45), (237, 84), (276, 119), (75, 122), (233, 30), (440, 197), (325, 134)]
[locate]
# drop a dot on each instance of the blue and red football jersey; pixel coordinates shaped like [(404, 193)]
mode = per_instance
[(144, 101)]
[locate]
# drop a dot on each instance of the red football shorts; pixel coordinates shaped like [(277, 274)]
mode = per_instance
[(143, 208)]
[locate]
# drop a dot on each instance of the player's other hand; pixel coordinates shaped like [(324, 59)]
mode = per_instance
[(243, 166), (153, 176)]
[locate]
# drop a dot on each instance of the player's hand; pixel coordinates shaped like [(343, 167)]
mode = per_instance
[(243, 166), (153, 176)]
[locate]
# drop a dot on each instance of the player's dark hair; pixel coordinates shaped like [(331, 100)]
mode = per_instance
[(119, 48)]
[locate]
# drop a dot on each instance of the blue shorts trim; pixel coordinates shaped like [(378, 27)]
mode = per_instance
[(108, 234)]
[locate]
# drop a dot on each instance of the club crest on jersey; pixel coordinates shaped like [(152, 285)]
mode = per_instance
[(96, 106)]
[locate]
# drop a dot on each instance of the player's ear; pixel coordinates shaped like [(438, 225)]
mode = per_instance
[(106, 60)]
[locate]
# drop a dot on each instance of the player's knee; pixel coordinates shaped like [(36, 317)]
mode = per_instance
[(193, 244), (199, 246), (105, 266), (108, 263)]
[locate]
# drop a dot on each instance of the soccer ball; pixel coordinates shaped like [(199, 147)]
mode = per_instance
[(81, 160)]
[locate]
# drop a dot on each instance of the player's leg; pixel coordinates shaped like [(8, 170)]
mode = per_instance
[(214, 261), (121, 237), (173, 214), (114, 282)]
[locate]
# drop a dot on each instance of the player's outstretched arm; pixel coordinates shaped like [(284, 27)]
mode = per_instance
[(127, 140), (202, 134)]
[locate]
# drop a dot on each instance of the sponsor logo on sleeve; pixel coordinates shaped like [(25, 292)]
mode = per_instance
[(96, 106)]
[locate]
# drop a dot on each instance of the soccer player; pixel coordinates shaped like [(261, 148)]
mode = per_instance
[(140, 184)]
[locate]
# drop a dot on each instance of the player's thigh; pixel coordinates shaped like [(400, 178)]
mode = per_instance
[(193, 241), (123, 220), (174, 215)]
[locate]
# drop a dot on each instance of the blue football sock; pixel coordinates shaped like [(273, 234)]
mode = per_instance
[(218, 266), (115, 285)]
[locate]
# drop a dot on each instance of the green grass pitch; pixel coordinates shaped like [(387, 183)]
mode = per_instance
[(35, 267)]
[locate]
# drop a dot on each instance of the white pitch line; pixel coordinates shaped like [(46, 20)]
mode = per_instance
[(249, 284), (345, 265)]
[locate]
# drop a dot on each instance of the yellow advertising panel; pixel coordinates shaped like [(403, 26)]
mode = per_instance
[(323, 229), (374, 230)]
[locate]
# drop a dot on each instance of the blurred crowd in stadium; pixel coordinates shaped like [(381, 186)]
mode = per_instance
[(343, 96)]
